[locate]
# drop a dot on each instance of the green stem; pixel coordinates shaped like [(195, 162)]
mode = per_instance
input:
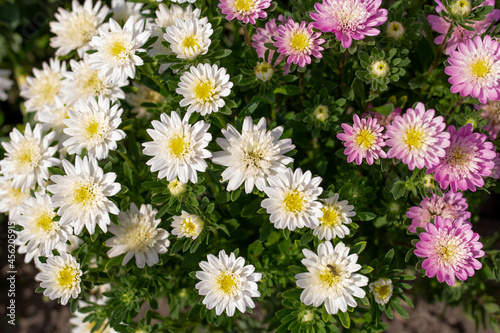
[(440, 51), (247, 37)]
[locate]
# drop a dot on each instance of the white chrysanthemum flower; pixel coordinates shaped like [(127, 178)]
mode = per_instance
[(330, 279), (116, 49), (227, 283), (190, 38), (122, 10), (11, 198), (40, 230), (138, 236), (178, 148), (292, 199), (336, 214), (252, 156), (84, 82), (82, 326), (28, 157), (81, 195), (166, 17), (60, 276), (54, 116), (93, 125), (143, 95), (45, 86), (69, 246), (203, 87), (381, 290), (176, 187), (75, 29), (5, 83), (187, 225)]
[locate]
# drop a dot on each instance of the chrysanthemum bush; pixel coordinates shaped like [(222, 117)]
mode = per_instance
[(257, 165)]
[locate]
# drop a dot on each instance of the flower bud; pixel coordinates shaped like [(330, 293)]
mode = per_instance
[(395, 30), (380, 68), (264, 71)]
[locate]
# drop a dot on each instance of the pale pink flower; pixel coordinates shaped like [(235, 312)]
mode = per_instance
[(246, 11)]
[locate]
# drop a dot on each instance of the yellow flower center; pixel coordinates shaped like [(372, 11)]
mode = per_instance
[(28, 155), (92, 129), (382, 290), (85, 195), (67, 277), (480, 68), (263, 67), (189, 227), (300, 41), (330, 276), (365, 138), (44, 221), (93, 85), (294, 202), (190, 42), (227, 283), (140, 236), (321, 112), (414, 138), (243, 5), (331, 217), (179, 146), (118, 49), (204, 91)]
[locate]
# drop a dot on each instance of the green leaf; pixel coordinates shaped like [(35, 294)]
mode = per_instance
[(344, 319), (127, 170), (293, 293), (296, 269), (492, 307), (385, 109), (358, 247), (289, 90), (396, 305), (221, 53), (57, 171), (398, 189), (306, 238), (365, 216)]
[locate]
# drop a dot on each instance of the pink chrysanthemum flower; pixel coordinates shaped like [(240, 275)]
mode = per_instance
[(491, 112), (349, 19), (450, 249), (450, 206), (363, 140), (298, 42), (468, 159), (381, 119), (418, 138), (246, 11), (495, 171), (475, 69), (265, 36), (459, 34)]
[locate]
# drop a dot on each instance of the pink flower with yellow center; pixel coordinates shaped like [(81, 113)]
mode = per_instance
[(475, 69), (246, 11), (349, 19), (363, 140), (450, 249), (418, 138), (468, 159), (299, 42)]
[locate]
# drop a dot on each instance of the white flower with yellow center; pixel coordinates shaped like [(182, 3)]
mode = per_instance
[(264, 71), (39, 229), (227, 283), (330, 279), (84, 82), (5, 83), (28, 157), (380, 68), (336, 214), (395, 30), (189, 38), (75, 29), (54, 116), (176, 187), (292, 199), (60, 276), (187, 225), (203, 88), (117, 49), (45, 86), (93, 125), (11, 198), (252, 156), (138, 236), (381, 290), (69, 246), (122, 10), (82, 195), (178, 148)]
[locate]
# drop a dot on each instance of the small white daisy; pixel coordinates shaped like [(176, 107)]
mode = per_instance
[(190, 38), (227, 283), (11, 198), (53, 116), (187, 225), (75, 29), (122, 10), (93, 125), (178, 148), (82, 195), (203, 87), (330, 279), (60, 276), (69, 246), (28, 157), (336, 214), (116, 49), (45, 86), (381, 290), (166, 17), (143, 95), (84, 82), (176, 187), (292, 199), (252, 156), (5, 83), (40, 230), (138, 236)]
